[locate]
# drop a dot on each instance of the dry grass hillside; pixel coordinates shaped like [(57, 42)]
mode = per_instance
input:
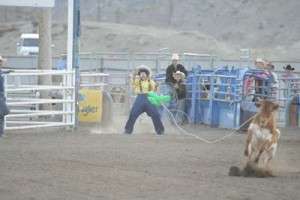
[(270, 28)]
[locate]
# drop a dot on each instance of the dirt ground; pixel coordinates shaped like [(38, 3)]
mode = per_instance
[(38, 165)]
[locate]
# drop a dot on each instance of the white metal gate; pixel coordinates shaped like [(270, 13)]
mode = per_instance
[(23, 94)]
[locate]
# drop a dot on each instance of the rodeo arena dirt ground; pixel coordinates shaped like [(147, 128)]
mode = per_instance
[(91, 163)]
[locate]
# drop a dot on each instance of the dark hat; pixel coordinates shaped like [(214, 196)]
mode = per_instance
[(289, 67), (144, 70)]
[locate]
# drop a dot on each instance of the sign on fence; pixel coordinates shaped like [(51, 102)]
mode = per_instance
[(90, 105)]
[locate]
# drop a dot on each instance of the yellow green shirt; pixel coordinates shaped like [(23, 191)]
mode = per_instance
[(142, 87)]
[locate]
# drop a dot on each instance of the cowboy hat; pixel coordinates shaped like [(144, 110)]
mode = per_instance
[(175, 56), (289, 67), (260, 63), (143, 68), (259, 60), (180, 73), (2, 59)]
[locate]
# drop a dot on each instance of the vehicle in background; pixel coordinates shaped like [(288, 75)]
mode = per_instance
[(28, 44)]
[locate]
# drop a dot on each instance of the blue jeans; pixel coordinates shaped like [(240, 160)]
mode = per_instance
[(141, 105)]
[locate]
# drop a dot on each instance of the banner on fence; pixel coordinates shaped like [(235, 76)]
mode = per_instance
[(90, 105)]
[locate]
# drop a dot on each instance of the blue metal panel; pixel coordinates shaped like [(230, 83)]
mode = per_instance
[(193, 99), (226, 115), (204, 112), (217, 98), (226, 91)]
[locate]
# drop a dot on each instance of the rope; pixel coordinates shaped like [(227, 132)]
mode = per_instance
[(201, 138)]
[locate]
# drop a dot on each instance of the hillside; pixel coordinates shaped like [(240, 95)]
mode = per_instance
[(270, 28)]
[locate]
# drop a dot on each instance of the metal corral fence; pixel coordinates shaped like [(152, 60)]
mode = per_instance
[(125, 62), (213, 92), (116, 62), (226, 97), (29, 108)]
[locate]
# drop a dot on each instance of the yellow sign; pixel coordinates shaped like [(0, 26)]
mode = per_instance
[(90, 105)]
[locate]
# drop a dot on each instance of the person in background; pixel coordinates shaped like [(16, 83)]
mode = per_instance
[(260, 63), (292, 86), (62, 62), (275, 81), (142, 85), (289, 73), (180, 89), (3, 107), (289, 79), (173, 68), (268, 72)]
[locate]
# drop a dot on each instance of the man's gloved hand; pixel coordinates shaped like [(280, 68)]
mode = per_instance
[(158, 100)]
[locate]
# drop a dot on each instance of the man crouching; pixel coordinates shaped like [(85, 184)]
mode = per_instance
[(142, 85)]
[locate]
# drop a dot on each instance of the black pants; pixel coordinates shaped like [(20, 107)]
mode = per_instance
[(1, 125)]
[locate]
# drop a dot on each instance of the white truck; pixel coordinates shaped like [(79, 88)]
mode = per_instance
[(28, 44)]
